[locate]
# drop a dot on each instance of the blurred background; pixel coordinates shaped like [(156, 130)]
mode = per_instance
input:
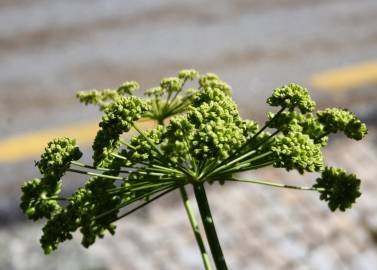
[(51, 49)]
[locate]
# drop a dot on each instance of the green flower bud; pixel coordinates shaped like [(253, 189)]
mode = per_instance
[(128, 88), (95, 194), (120, 115), (207, 79), (85, 205), (356, 129), (312, 127), (292, 96), (250, 127), (57, 229), (172, 84), (55, 161), (154, 92), (340, 189), (118, 118), (35, 202), (337, 119), (57, 158), (297, 151), (212, 128), (141, 149), (96, 97), (104, 144), (286, 121), (188, 74), (297, 122), (212, 81)]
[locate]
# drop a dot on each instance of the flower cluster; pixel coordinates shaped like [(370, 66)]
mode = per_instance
[(118, 118), (35, 202), (120, 115), (140, 148), (211, 128), (84, 206), (128, 88), (294, 121), (38, 196), (297, 151), (103, 98), (211, 80), (188, 74), (200, 137), (336, 119), (292, 96), (57, 157), (338, 188)]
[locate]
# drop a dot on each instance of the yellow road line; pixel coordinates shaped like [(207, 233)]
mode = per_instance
[(346, 77), (31, 145)]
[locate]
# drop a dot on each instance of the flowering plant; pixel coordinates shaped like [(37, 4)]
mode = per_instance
[(200, 138)]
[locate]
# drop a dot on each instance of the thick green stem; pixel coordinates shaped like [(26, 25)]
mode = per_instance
[(209, 227), (195, 228), (160, 121)]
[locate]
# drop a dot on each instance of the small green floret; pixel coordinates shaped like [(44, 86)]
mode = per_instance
[(128, 88), (120, 115), (57, 229), (154, 92), (89, 203), (104, 97), (356, 129), (212, 127), (289, 121), (39, 195), (212, 81), (337, 119), (172, 84), (140, 150), (188, 74), (286, 121), (96, 97), (292, 96), (297, 151), (118, 118), (57, 157), (339, 188), (35, 200)]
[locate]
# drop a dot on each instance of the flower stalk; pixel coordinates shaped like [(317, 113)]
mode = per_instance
[(195, 228), (209, 227)]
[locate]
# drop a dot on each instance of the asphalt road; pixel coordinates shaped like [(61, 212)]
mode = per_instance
[(51, 49)]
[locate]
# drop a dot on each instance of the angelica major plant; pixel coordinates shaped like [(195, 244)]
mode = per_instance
[(199, 138)]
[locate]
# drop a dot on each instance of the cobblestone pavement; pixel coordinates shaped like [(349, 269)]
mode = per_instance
[(49, 49)]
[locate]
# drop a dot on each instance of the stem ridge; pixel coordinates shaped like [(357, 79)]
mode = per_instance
[(209, 227)]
